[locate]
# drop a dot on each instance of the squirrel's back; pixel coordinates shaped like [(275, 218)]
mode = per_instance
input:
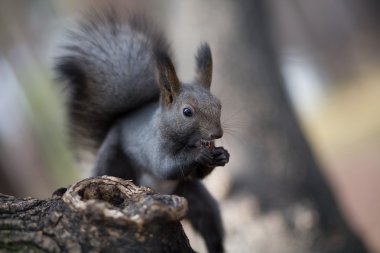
[(109, 69)]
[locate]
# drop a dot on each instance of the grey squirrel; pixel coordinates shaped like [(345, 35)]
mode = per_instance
[(127, 104)]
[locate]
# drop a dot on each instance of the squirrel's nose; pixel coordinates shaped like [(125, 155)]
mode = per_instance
[(216, 134)]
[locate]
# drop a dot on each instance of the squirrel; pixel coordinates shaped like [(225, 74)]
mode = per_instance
[(126, 103)]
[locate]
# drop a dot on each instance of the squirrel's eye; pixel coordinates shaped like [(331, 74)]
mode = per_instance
[(187, 112)]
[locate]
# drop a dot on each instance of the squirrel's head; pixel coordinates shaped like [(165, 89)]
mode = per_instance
[(190, 114)]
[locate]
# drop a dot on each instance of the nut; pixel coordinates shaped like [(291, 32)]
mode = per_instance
[(208, 144)]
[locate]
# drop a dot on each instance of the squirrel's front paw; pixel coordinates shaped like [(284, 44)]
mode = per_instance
[(204, 164), (220, 156), (208, 159), (205, 158)]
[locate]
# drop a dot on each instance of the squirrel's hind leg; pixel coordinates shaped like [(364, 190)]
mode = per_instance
[(111, 160), (203, 214)]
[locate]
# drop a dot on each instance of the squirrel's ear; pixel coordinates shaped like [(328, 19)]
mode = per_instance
[(167, 78), (204, 66)]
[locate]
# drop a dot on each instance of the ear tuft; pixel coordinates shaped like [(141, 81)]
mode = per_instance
[(204, 66), (167, 77)]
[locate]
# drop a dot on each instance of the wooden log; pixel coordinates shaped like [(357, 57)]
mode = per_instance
[(101, 214)]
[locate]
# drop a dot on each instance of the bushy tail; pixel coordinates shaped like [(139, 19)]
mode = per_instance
[(108, 69)]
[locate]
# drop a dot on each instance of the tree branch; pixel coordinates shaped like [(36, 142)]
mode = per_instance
[(101, 214)]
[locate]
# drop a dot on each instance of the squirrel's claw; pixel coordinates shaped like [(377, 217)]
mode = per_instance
[(221, 156)]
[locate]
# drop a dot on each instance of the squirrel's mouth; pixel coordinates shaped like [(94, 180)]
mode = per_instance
[(210, 144)]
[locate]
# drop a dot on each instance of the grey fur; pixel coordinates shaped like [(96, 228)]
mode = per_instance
[(127, 102)]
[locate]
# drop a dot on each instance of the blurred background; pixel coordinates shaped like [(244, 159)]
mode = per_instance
[(299, 81)]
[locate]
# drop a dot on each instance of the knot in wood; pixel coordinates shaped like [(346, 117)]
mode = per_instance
[(114, 199)]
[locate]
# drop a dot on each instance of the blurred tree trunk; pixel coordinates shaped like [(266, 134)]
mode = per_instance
[(5, 186), (281, 170)]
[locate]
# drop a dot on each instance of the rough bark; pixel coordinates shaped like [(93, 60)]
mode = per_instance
[(102, 214)]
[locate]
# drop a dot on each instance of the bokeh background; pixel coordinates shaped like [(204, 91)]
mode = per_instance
[(321, 57)]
